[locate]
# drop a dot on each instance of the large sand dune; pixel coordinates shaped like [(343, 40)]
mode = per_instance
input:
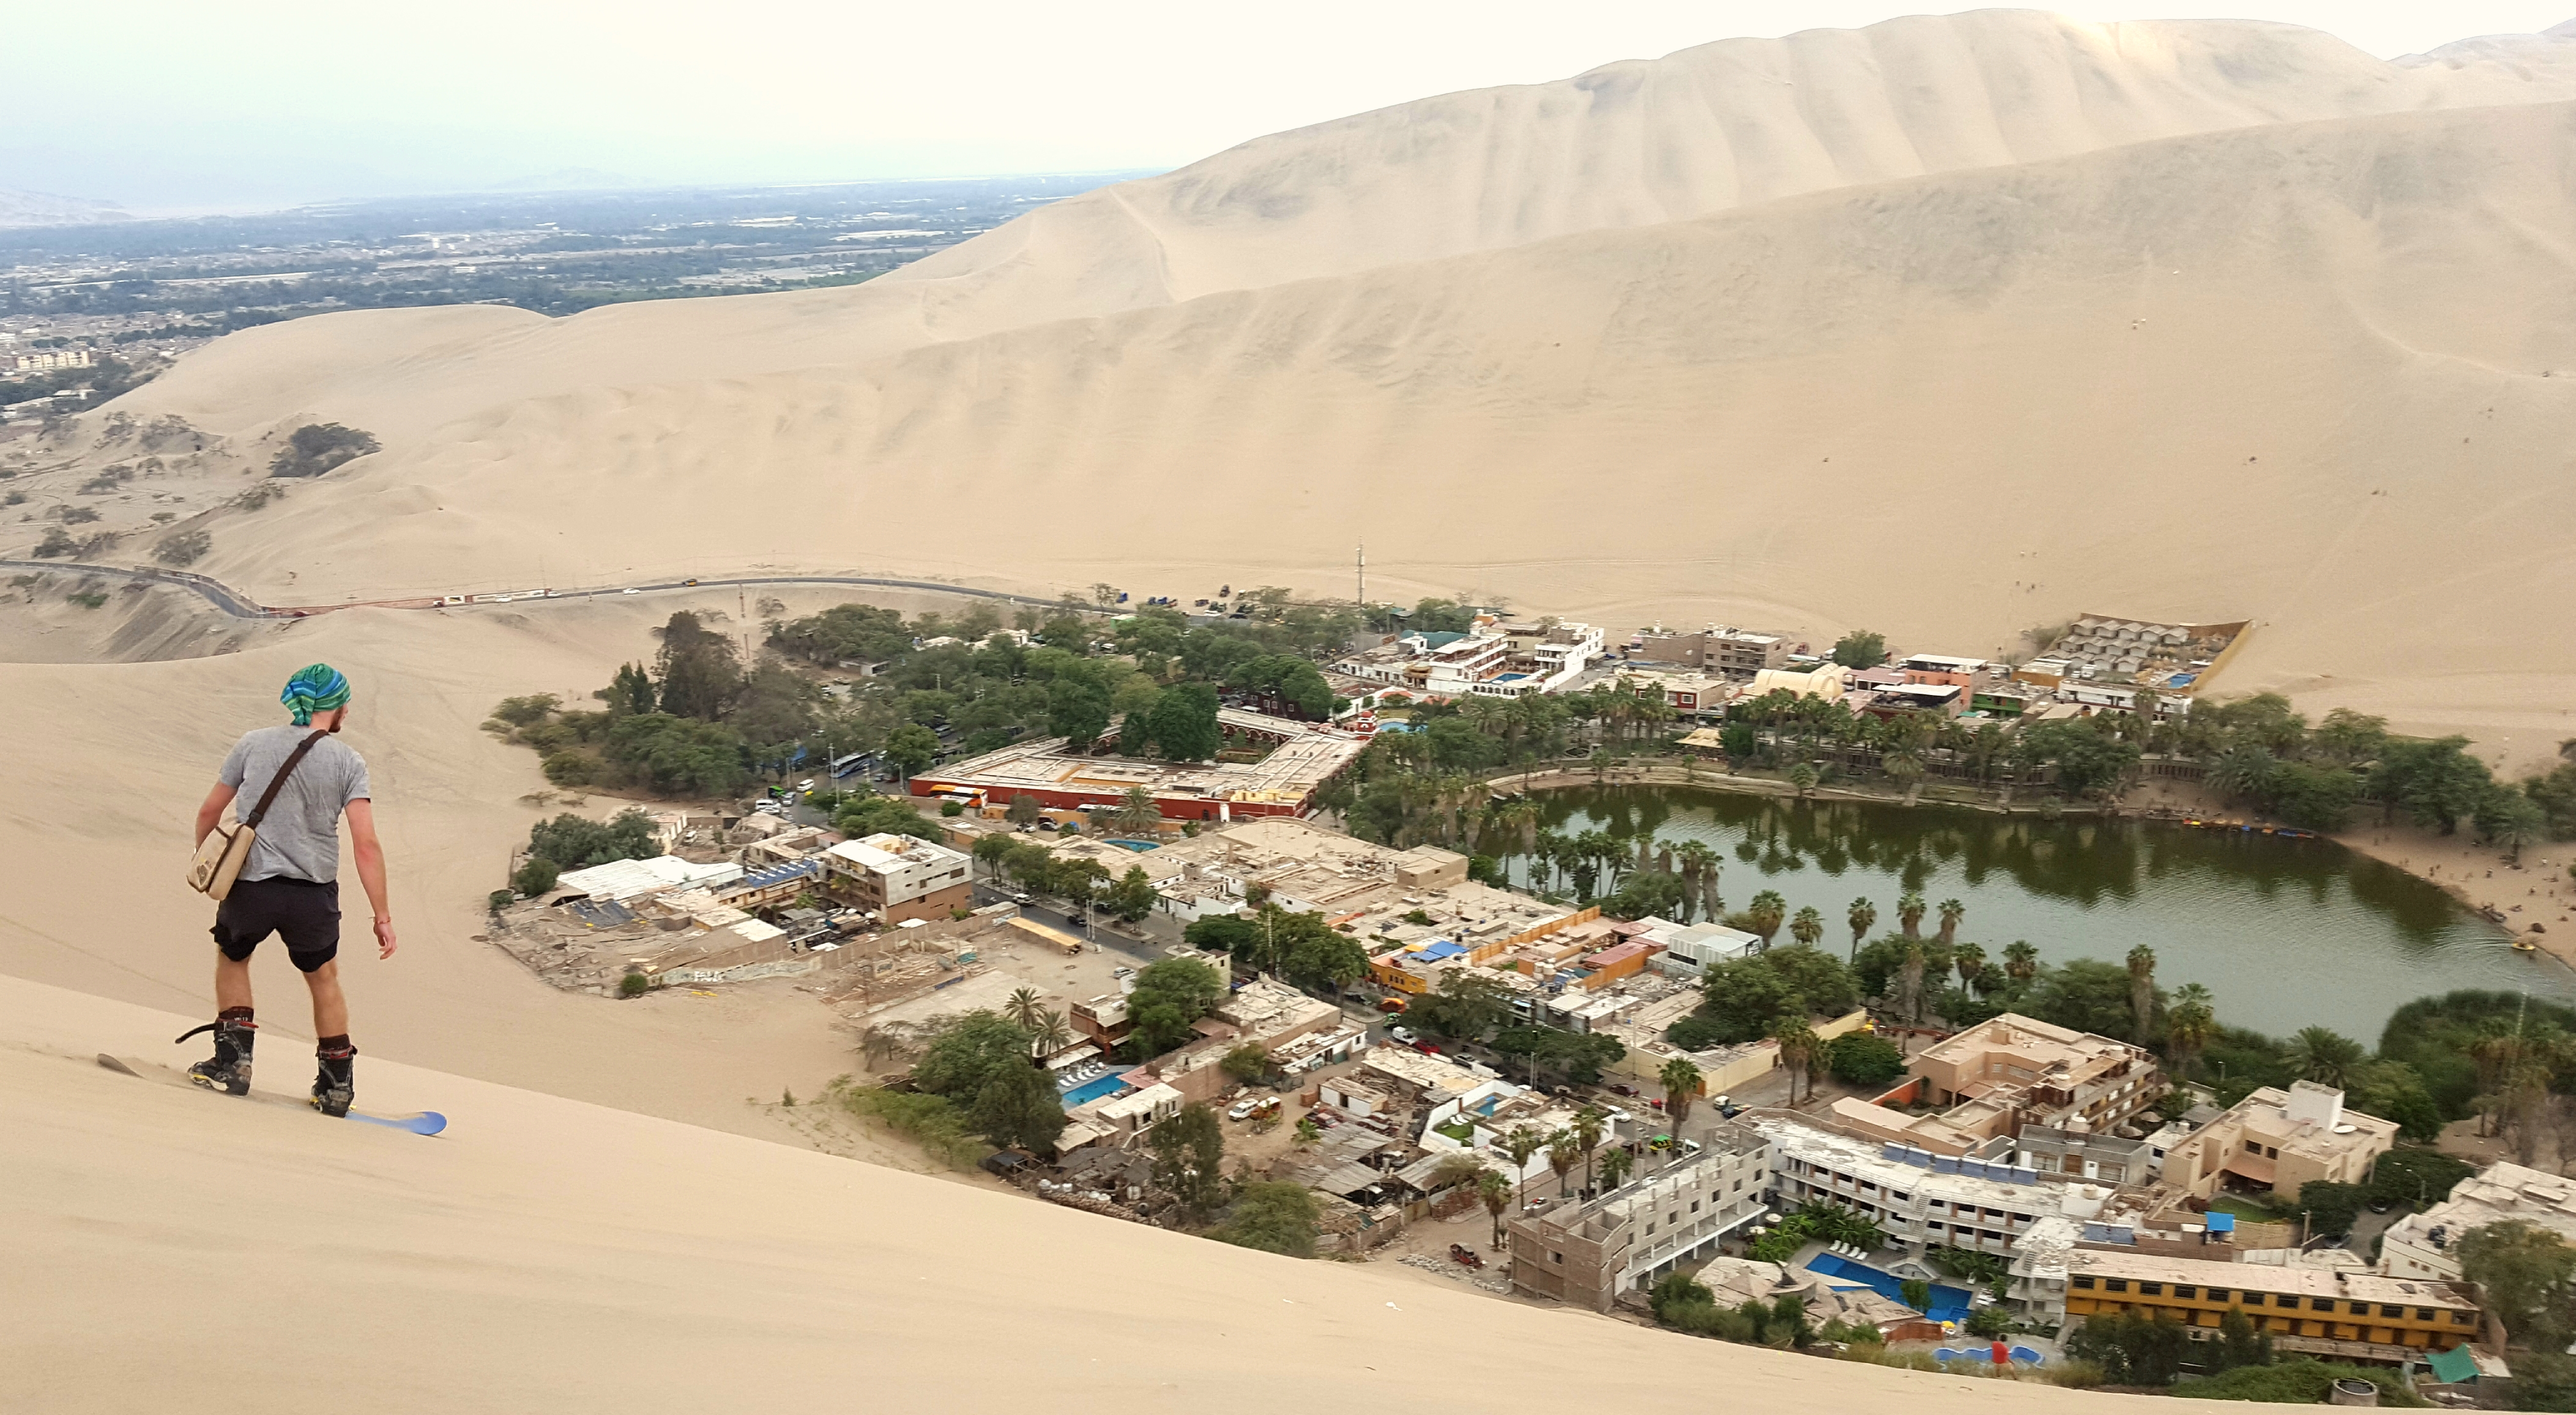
[(2303, 373), (171, 1248), (1709, 129)]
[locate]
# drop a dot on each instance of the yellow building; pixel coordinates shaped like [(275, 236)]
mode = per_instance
[(2359, 1316)]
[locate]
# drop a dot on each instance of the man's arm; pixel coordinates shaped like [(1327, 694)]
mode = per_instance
[(211, 810), (371, 871)]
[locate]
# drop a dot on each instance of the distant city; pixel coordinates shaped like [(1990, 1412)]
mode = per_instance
[(149, 290)]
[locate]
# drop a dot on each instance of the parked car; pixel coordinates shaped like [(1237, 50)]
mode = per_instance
[(1621, 1088), (1405, 1035), (806, 785), (1253, 1108), (630, 589), (690, 581), (1427, 1048)]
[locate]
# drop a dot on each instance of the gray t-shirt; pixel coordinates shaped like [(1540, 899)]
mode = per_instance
[(300, 836)]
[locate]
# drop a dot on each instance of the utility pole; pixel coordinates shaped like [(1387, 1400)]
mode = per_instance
[(1363, 577)]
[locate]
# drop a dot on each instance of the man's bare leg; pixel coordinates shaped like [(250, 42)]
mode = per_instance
[(330, 1006), (232, 982)]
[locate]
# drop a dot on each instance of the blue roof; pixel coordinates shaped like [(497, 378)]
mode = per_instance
[(768, 875), (2222, 1223), (1441, 948)]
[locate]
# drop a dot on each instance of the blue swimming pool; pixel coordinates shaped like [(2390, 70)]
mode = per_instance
[(1095, 1088), (1948, 1304)]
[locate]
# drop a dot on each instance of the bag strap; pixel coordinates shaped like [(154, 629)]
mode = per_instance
[(268, 797)]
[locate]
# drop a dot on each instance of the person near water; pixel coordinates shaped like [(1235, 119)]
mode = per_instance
[(289, 884)]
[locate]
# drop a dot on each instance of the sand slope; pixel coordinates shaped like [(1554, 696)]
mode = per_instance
[(1709, 129), (2305, 373), (544, 1255)]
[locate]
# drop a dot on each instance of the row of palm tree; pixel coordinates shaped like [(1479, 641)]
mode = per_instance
[(1047, 1029)]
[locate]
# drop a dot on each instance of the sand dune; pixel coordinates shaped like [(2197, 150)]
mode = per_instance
[(2249, 373), (1709, 129), (174, 1247)]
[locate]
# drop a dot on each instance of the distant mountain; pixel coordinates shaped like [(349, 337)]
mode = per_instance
[(22, 208)]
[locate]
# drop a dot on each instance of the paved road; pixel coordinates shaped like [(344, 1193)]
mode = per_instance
[(241, 606)]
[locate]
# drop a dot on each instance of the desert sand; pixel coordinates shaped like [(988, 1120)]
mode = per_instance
[(1948, 328), (171, 1247)]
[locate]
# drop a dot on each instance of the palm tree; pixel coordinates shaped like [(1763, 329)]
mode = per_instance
[(1495, 1188), (1766, 913), (1523, 1142), (2021, 961), (1023, 1008), (2142, 994), (1136, 814), (1589, 1124), (1616, 1162), (1909, 913), (1052, 1035), (2189, 1024), (2324, 1055), (1863, 915), (1909, 988), (1803, 778), (1952, 911), (1562, 1151), (1798, 1047), (2241, 772), (1808, 927), (1904, 766), (1970, 960), (1681, 1081)]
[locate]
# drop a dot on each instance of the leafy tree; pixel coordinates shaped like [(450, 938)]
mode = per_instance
[(631, 692), (1325, 958), (1273, 1217), (676, 755), (1645, 894), (969, 1052), (1247, 1063), (883, 815), (1189, 1159), (535, 876), (1019, 1106), (1554, 1052), (2131, 1349), (1222, 933), (1861, 648), (1990, 1322), (2088, 761), (1185, 722), (2529, 1274), (911, 748), (2436, 782), (1864, 1059), (1169, 996), (1024, 808), (1133, 896), (2330, 1208), (1467, 1005), (316, 448), (2418, 1178), (573, 842), (2242, 1344), (696, 669), (1077, 711), (2086, 994)]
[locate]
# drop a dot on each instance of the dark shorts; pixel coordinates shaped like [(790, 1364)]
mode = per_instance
[(304, 914)]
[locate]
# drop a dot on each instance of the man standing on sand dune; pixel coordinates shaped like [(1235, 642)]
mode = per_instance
[(289, 885)]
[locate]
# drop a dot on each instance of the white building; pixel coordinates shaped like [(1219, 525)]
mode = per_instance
[(2427, 1245), (1920, 1200), (1690, 950), (898, 877)]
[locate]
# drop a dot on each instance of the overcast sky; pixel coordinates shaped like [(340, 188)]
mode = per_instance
[(163, 104)]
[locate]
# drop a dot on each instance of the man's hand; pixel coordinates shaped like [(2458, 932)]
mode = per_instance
[(384, 938)]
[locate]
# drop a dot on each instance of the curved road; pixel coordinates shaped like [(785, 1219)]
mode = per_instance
[(240, 606)]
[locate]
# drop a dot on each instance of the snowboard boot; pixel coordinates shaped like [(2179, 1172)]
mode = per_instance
[(335, 1084), (228, 1070)]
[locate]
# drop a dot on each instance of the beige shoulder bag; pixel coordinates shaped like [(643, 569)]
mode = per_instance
[(221, 854)]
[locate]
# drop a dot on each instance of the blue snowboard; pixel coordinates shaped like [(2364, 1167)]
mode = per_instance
[(427, 1122)]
